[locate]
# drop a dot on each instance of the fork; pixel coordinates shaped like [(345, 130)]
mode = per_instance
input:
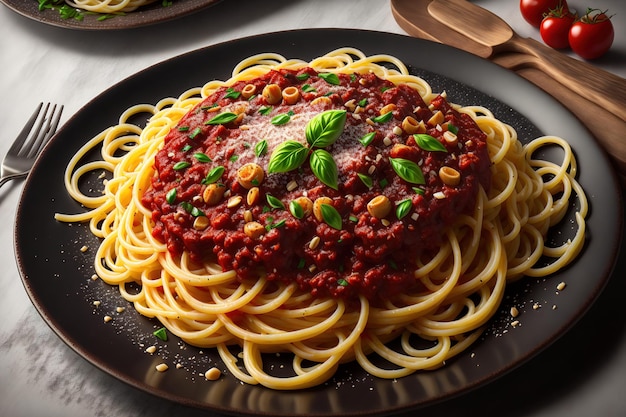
[(29, 143)]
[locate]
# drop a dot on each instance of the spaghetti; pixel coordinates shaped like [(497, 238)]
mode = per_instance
[(206, 298)]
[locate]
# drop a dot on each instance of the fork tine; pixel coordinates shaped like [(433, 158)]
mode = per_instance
[(21, 138), (44, 136), (37, 133)]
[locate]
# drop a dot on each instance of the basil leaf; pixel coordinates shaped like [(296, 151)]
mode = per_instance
[(281, 119), (366, 180), (452, 128), (330, 78), (331, 216), (407, 170), (342, 282), (260, 148), (368, 138), (303, 77), (170, 197), (429, 143), (231, 93), (296, 209), (180, 165), (222, 119), (287, 156), (308, 88), (383, 118), (418, 191), (189, 208), (265, 110), (324, 129), (274, 202), (324, 167), (195, 133), (404, 208), (362, 102), (213, 175), (201, 157)]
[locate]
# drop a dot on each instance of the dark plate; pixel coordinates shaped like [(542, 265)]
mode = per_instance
[(144, 16), (57, 274)]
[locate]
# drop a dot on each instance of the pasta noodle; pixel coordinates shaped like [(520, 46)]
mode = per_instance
[(108, 6), (462, 282)]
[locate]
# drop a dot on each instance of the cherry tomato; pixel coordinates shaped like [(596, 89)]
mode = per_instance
[(592, 35), (555, 28), (533, 11)]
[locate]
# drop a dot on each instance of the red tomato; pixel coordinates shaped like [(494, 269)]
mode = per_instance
[(592, 35), (555, 28), (533, 11)]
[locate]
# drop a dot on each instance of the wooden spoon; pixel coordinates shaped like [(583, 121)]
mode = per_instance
[(484, 27)]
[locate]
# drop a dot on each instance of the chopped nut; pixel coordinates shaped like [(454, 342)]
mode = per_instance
[(213, 374), (252, 196), (561, 286), (253, 230), (292, 185), (107, 319), (234, 201), (314, 242), (200, 223), (514, 311), (162, 367), (151, 349), (436, 119)]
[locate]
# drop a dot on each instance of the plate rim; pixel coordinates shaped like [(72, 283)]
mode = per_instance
[(145, 16)]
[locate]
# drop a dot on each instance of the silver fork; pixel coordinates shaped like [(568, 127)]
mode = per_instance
[(29, 143)]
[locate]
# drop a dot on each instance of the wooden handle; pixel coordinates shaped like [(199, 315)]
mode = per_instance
[(604, 88), (603, 125)]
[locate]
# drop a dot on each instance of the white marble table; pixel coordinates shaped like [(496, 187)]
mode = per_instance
[(582, 374)]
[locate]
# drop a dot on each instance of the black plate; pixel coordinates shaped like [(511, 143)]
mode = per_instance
[(144, 16), (57, 274)]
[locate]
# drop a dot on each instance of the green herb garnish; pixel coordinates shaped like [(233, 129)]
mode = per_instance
[(161, 334), (213, 175), (222, 119), (429, 143), (331, 216), (407, 170), (403, 208)]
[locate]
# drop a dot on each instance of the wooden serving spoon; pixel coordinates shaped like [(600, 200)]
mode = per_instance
[(484, 27)]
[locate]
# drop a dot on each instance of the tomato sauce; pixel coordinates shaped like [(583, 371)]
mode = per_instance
[(366, 255)]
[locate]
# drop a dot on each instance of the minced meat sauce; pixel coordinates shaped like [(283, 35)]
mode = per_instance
[(266, 224)]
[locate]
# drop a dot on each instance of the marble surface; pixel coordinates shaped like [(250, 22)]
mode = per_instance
[(582, 374)]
